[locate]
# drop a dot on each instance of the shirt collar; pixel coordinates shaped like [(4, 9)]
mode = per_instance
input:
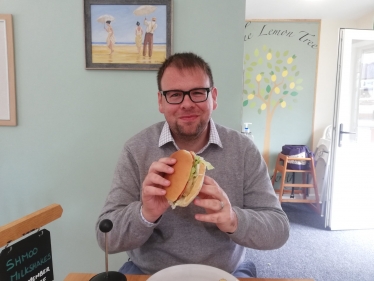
[(166, 137)]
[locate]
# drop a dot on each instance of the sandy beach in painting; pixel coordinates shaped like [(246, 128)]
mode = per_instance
[(127, 54)]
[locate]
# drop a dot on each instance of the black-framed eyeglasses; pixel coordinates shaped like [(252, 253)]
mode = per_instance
[(177, 96)]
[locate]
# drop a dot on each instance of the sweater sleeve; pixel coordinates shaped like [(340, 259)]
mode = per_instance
[(262, 224), (122, 207)]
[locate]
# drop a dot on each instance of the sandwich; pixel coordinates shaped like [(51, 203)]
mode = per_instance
[(187, 179)]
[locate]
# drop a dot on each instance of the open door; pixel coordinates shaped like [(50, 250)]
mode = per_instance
[(351, 202)]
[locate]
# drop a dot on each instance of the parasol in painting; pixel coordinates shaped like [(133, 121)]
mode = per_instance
[(144, 10), (105, 18)]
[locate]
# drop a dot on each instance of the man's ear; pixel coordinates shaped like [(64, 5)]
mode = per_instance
[(214, 97), (160, 106)]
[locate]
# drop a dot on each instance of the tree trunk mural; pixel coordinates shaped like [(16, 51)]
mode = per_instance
[(272, 82)]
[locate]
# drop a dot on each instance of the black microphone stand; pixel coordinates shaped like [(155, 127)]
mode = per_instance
[(105, 226)]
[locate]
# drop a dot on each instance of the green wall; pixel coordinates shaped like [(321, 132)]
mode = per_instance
[(72, 122)]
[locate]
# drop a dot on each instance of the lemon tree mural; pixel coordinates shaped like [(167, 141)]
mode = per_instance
[(272, 82), (279, 83)]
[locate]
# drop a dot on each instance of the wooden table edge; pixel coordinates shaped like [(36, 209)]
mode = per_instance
[(87, 276)]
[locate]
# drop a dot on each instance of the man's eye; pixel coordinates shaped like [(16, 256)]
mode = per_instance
[(198, 93), (174, 94)]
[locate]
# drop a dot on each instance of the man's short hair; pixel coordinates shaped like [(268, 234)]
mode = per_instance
[(184, 61)]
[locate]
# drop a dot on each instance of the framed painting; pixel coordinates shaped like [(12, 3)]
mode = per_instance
[(7, 80), (280, 73), (127, 34)]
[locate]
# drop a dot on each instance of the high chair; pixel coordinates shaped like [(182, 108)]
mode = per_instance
[(281, 167)]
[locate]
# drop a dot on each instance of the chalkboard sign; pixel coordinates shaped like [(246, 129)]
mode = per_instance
[(28, 260)]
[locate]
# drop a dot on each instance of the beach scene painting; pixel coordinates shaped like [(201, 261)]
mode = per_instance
[(132, 35)]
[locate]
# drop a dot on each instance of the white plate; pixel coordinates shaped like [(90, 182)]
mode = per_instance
[(189, 272)]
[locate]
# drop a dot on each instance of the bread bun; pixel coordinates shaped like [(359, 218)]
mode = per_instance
[(185, 200), (182, 170)]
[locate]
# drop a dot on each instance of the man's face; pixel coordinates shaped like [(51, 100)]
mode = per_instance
[(187, 120)]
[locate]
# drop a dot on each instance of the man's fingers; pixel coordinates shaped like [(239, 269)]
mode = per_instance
[(162, 166), (153, 191)]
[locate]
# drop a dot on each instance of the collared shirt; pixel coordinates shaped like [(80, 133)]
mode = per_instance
[(166, 137)]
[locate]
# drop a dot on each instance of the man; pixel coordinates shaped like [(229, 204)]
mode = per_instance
[(236, 208), (148, 38)]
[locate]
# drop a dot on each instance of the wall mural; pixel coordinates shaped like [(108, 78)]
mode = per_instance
[(280, 70)]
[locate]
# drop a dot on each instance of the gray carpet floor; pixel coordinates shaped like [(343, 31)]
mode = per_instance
[(318, 253)]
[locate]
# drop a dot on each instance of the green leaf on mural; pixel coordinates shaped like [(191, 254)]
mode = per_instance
[(285, 53), (264, 47), (277, 54), (268, 89), (257, 52), (254, 63), (266, 80), (277, 68), (279, 61), (247, 57), (285, 92), (297, 73), (259, 111), (249, 69), (248, 75), (291, 78), (294, 94), (251, 85), (284, 86), (262, 92), (273, 102), (259, 61), (299, 81), (290, 107), (247, 81), (266, 97), (280, 100), (294, 67), (245, 103), (270, 65), (299, 88), (252, 105), (245, 92)]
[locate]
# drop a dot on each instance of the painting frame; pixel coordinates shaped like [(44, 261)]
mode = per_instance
[(8, 116), (123, 58)]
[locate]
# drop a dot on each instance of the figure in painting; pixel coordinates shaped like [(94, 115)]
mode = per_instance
[(148, 38), (138, 36), (110, 40)]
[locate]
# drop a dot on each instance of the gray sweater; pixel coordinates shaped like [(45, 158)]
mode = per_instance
[(177, 238)]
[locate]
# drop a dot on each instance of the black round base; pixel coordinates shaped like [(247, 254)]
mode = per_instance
[(111, 276)]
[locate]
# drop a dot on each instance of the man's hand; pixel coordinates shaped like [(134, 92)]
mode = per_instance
[(154, 202), (217, 205)]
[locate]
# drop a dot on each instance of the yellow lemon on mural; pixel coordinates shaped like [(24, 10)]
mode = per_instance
[(263, 106), (285, 73), (290, 60), (273, 77), (283, 104), (258, 77), (277, 90), (251, 96), (292, 85), (269, 56)]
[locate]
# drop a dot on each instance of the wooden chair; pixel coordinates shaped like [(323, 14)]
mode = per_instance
[(18, 228), (281, 167)]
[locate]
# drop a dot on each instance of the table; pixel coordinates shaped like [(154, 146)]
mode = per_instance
[(87, 276)]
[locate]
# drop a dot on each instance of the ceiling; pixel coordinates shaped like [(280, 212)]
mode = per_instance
[(309, 9)]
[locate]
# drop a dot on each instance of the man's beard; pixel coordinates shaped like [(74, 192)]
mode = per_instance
[(188, 135)]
